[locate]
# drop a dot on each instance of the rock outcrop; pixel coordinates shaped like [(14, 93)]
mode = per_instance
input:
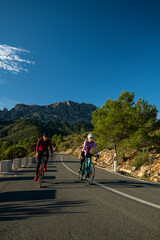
[(68, 111), (150, 171)]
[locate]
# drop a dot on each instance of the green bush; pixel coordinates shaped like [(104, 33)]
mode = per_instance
[(63, 146), (33, 139), (4, 146), (54, 140), (14, 152), (140, 159)]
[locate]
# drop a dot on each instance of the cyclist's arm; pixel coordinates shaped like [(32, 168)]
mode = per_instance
[(95, 149), (50, 146), (37, 146), (84, 147)]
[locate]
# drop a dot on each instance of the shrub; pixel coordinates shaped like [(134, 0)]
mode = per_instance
[(140, 159), (15, 152), (4, 146), (63, 146)]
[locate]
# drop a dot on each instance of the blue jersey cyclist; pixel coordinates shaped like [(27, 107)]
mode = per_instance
[(87, 146)]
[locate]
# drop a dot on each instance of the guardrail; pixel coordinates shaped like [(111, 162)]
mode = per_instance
[(17, 163)]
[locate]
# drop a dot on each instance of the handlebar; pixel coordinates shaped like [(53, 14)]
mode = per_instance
[(93, 155)]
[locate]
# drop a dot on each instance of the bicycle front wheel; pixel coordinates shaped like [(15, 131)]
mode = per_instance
[(81, 172), (91, 174)]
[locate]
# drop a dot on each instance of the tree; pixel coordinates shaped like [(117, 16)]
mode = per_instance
[(25, 141), (54, 139), (33, 139), (146, 115), (120, 119), (112, 121), (15, 152), (59, 140), (5, 145)]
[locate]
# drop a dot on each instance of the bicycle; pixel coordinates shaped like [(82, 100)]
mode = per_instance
[(41, 170), (88, 170)]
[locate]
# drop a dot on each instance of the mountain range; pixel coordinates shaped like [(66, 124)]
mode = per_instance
[(68, 111)]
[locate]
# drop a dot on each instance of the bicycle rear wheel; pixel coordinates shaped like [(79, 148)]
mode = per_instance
[(41, 175), (90, 176)]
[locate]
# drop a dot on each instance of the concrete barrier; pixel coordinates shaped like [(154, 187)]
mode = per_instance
[(6, 165), (16, 163), (30, 160), (24, 162), (34, 159)]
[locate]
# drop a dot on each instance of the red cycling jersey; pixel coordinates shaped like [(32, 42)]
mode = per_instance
[(43, 145)]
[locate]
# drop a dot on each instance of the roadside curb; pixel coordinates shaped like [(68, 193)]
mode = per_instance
[(119, 174), (13, 173)]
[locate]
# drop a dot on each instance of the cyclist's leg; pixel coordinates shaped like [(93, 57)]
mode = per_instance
[(82, 159), (46, 159), (40, 154)]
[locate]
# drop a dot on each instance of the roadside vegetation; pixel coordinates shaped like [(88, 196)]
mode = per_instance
[(126, 125), (122, 124), (18, 139)]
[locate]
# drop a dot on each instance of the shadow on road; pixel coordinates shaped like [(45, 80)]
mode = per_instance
[(126, 184), (66, 184), (19, 196), (23, 178), (29, 204)]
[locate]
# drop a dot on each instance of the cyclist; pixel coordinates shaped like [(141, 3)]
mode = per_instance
[(88, 144), (42, 147)]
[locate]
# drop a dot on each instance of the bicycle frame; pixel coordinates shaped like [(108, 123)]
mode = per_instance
[(88, 170), (41, 171), (88, 165)]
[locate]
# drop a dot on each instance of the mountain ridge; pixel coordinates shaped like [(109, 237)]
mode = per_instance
[(69, 111)]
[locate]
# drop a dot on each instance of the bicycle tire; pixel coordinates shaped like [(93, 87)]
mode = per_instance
[(81, 172), (90, 178)]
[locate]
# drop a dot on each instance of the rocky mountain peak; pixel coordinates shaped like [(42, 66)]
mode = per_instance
[(69, 111)]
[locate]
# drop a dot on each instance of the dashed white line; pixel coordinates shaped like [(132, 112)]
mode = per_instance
[(116, 191)]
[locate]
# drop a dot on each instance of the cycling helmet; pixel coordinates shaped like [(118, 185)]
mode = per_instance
[(90, 135)]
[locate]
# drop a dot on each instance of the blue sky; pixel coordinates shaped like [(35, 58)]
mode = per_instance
[(79, 50)]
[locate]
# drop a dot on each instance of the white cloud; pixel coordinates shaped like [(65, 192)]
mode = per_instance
[(10, 59)]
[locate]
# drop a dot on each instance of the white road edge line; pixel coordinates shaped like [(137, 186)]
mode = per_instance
[(116, 191)]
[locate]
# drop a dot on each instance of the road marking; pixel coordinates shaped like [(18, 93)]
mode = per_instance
[(68, 167), (116, 191)]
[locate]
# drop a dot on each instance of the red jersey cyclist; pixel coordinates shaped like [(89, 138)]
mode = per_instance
[(42, 146), (87, 146)]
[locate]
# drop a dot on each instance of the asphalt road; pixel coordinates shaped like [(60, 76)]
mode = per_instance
[(113, 208)]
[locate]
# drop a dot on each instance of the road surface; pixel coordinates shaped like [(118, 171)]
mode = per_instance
[(113, 208)]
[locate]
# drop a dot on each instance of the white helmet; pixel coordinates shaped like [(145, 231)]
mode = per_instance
[(90, 135)]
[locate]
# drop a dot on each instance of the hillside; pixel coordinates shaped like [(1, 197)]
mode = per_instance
[(26, 128), (24, 124)]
